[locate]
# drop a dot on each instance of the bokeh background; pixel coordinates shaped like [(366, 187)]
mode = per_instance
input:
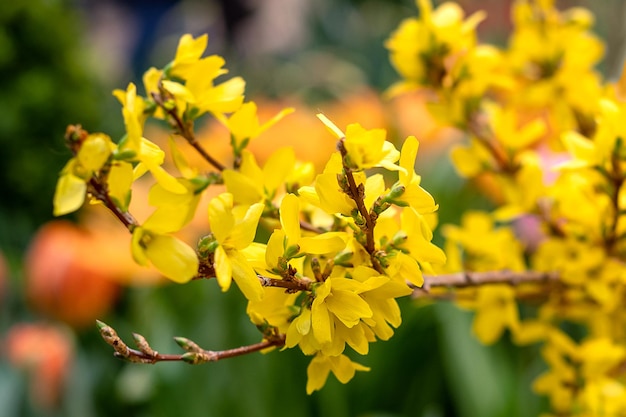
[(59, 61)]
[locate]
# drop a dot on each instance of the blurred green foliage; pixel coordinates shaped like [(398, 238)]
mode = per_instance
[(44, 86)]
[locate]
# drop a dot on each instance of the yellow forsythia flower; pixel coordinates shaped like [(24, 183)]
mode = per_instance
[(244, 124), (321, 365), (290, 221), (251, 183), (234, 230), (171, 256), (71, 188)]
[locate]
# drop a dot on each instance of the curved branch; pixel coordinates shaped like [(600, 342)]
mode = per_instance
[(184, 130), (195, 354), (475, 279), (100, 192), (357, 194)]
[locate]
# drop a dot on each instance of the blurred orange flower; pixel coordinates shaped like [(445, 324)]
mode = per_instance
[(45, 352), (68, 276)]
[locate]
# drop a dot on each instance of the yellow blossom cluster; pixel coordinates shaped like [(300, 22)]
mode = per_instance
[(547, 135), (343, 243), (545, 140)]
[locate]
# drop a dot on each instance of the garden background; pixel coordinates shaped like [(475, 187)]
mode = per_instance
[(59, 60)]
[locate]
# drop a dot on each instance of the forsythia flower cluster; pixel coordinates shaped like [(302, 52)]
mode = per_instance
[(342, 243), (547, 137)]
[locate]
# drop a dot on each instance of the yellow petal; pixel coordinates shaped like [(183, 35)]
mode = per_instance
[(224, 98), (244, 123), (223, 268), (221, 217), (317, 373), (94, 152), (119, 181), (277, 167), (332, 199), (186, 170), (344, 368), (488, 326), (320, 321), (245, 277), (324, 243), (331, 126), (165, 179), (465, 162), (290, 218), (348, 307), (275, 248), (172, 257), (151, 80), (244, 231), (179, 91), (407, 159), (137, 246), (244, 188), (303, 322), (69, 195), (188, 52), (275, 119)]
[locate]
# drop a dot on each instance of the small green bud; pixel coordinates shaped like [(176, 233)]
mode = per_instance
[(150, 108), (342, 258), (399, 203), (207, 244), (143, 345), (200, 183), (182, 342), (195, 358), (188, 345), (122, 142), (169, 104), (382, 258), (399, 238), (380, 205), (358, 219), (342, 180), (292, 251), (395, 192), (124, 155), (101, 325), (192, 358), (192, 113)]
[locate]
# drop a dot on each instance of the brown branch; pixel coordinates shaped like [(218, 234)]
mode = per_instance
[(75, 135), (207, 271), (184, 130), (357, 194), (304, 225), (195, 354), (291, 285), (475, 279), (486, 138), (100, 192)]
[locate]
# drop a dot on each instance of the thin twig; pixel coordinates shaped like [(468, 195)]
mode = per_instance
[(184, 130), (207, 271), (486, 137), (75, 135), (291, 285), (304, 225), (194, 355), (475, 279), (100, 192), (357, 194)]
